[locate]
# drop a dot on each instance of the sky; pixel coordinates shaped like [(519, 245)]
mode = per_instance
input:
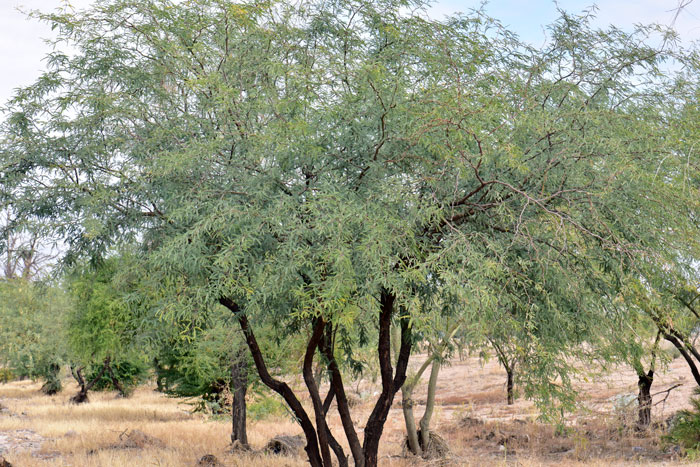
[(22, 47)]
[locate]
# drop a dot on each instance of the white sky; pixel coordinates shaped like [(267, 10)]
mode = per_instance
[(22, 47)]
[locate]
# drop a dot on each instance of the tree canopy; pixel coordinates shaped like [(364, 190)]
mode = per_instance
[(336, 166)]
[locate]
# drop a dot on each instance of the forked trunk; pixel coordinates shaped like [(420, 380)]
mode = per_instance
[(82, 395), (391, 380), (319, 439), (115, 382), (687, 356), (280, 387)]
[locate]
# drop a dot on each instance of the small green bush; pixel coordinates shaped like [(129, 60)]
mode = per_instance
[(685, 429), (50, 371), (7, 375), (265, 407)]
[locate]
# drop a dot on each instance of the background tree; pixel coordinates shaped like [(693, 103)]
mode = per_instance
[(103, 331), (32, 336)]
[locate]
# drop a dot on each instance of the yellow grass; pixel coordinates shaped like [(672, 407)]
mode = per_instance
[(88, 434), (85, 435)]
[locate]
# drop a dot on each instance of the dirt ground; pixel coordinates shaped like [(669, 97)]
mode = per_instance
[(471, 415)]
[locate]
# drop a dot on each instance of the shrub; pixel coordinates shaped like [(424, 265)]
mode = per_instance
[(7, 375), (50, 370), (685, 431), (129, 373), (265, 407)]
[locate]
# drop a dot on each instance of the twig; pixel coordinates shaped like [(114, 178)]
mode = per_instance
[(668, 393)]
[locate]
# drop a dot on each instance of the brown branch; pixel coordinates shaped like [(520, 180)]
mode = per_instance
[(321, 427), (279, 387)]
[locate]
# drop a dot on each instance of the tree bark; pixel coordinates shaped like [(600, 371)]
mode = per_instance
[(391, 381), (686, 342), (509, 367), (308, 373), (335, 445), (280, 387), (338, 389), (686, 356), (159, 375), (429, 405), (365, 455), (644, 399), (115, 382), (409, 420), (82, 395), (509, 385), (239, 384)]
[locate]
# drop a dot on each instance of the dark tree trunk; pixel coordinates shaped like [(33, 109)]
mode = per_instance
[(644, 399), (159, 374), (338, 389), (509, 385), (239, 384), (82, 395), (115, 382), (280, 387), (321, 427), (318, 442), (318, 375), (334, 444), (391, 381)]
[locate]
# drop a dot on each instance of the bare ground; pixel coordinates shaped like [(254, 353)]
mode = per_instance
[(471, 415)]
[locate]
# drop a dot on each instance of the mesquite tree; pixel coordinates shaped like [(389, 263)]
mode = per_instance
[(102, 327), (334, 167), (33, 331)]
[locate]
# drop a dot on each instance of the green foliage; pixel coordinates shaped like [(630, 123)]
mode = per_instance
[(130, 373), (305, 160), (100, 323), (266, 406), (51, 372), (32, 335), (7, 375), (110, 320), (198, 362), (685, 429)]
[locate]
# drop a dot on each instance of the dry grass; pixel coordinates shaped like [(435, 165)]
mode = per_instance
[(87, 435), (471, 415)]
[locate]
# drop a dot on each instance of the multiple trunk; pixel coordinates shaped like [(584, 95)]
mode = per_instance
[(319, 439), (85, 386), (419, 439), (115, 382), (82, 395)]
